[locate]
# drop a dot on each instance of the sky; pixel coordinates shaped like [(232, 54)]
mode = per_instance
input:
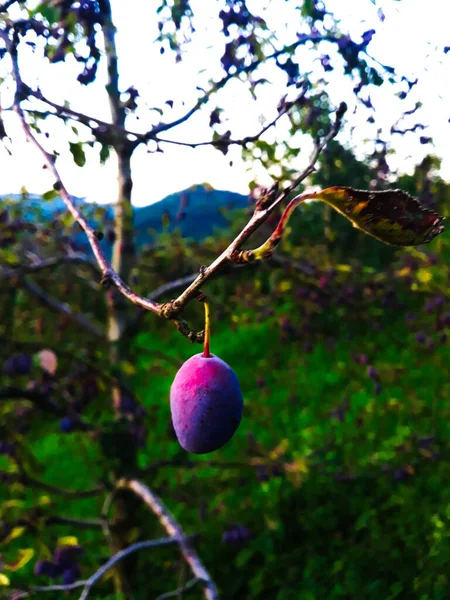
[(411, 39)]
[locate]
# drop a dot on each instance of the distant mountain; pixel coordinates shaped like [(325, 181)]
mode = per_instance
[(196, 212), (30, 203)]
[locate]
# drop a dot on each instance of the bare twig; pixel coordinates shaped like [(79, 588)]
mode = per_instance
[(263, 209), (225, 142), (80, 523), (173, 528), (93, 579), (305, 269), (172, 285), (61, 307), (24, 479), (4, 7), (239, 71), (107, 129), (109, 275), (48, 263), (122, 554), (114, 131), (177, 593)]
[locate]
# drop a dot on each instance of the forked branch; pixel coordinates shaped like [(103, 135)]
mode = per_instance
[(170, 310), (169, 523)]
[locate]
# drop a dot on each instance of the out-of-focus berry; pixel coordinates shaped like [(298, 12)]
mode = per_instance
[(67, 425), (45, 567), (420, 337)]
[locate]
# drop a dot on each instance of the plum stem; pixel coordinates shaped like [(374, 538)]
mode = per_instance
[(206, 352)]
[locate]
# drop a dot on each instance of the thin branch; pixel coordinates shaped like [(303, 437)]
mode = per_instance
[(93, 579), (266, 249), (4, 7), (48, 263), (177, 593), (173, 528), (224, 142), (264, 208), (61, 307), (109, 275), (161, 355), (284, 261), (239, 71), (102, 126), (122, 554), (60, 491), (164, 289), (80, 523), (152, 133), (24, 479)]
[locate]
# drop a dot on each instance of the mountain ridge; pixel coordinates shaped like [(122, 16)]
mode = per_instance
[(196, 211)]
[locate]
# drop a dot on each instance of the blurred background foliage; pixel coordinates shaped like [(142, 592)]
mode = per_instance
[(334, 485)]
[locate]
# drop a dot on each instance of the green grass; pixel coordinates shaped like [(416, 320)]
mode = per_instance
[(332, 522)]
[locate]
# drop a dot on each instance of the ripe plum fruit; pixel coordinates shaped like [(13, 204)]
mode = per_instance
[(206, 404)]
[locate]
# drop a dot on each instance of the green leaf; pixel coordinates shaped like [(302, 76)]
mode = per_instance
[(244, 556), (104, 153), (50, 13), (27, 457), (78, 154), (391, 216), (50, 195)]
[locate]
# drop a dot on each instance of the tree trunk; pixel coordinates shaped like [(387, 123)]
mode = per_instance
[(123, 258)]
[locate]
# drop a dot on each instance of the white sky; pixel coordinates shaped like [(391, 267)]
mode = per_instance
[(411, 39)]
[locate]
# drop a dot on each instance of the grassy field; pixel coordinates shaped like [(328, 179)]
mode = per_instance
[(336, 484)]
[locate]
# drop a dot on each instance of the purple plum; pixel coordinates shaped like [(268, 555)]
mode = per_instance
[(206, 404)]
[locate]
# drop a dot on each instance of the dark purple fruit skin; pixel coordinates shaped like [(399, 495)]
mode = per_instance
[(206, 404), (45, 567), (18, 364), (66, 424)]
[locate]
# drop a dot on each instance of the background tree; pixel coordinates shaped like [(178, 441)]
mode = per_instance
[(85, 32)]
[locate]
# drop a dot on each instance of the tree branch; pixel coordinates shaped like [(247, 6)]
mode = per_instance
[(80, 523), (24, 479), (61, 307), (48, 263), (224, 142), (263, 209), (104, 128), (93, 579), (4, 7), (179, 591), (173, 528), (239, 71), (151, 134)]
